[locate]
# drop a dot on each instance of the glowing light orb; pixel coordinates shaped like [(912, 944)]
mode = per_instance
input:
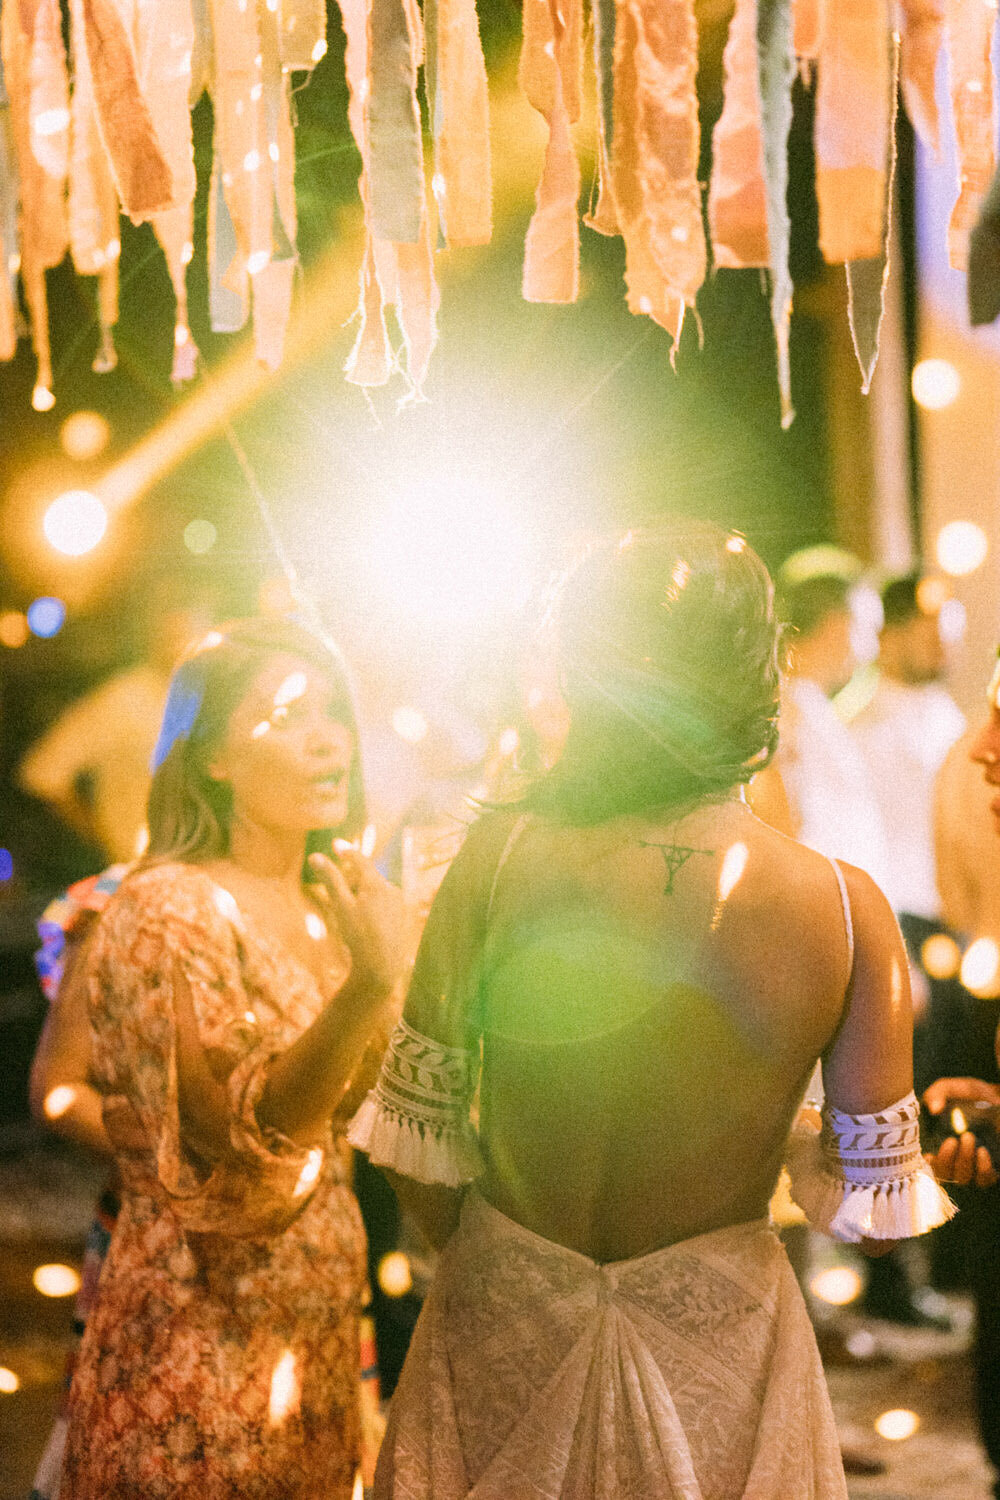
[(940, 956), (368, 840), (276, 597), (394, 1274), (13, 628), (736, 544), (59, 1100), (84, 435), (962, 547), (6, 865), (55, 1280), (838, 1285), (981, 968), (932, 593), (309, 1173), (935, 384), (959, 1123), (410, 724), (284, 1395), (9, 1382), (315, 926), (42, 398), (46, 617), (200, 536), (897, 1425), (451, 553), (509, 742), (75, 523)]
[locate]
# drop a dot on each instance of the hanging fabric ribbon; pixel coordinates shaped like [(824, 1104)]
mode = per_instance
[(852, 123), (776, 72), (9, 257), (655, 158), (141, 170), (808, 17), (34, 63), (458, 99), (973, 102), (94, 239), (867, 279), (737, 198), (922, 28), (550, 75), (604, 218)]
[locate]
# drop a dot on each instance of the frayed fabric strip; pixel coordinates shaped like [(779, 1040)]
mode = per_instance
[(864, 1177)]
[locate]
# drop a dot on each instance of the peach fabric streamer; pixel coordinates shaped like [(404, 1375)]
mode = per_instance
[(34, 64), (737, 199), (9, 259), (808, 19), (396, 274), (141, 170), (94, 239), (604, 218), (852, 124), (922, 26), (655, 158), (550, 74), (971, 24), (462, 183)]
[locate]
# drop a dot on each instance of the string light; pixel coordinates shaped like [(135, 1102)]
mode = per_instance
[(84, 435), (9, 1383), (394, 1274), (897, 1425), (200, 536), (940, 956), (13, 628), (980, 968)]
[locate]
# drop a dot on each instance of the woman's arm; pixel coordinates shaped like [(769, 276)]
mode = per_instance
[(61, 1094)]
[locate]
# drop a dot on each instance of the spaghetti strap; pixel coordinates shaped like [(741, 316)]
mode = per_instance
[(845, 902), (512, 838)]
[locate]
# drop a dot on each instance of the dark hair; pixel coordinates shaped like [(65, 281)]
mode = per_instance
[(805, 603), (189, 811), (899, 599), (669, 652)]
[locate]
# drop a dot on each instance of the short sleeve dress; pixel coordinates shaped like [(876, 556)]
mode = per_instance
[(221, 1360)]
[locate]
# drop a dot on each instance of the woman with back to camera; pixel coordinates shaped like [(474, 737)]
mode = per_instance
[(230, 1004), (650, 974)]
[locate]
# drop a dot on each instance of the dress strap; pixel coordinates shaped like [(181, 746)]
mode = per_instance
[(512, 838), (845, 902)]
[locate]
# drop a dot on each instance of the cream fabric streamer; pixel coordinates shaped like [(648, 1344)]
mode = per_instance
[(463, 185), (9, 257), (971, 25), (94, 238), (922, 30)]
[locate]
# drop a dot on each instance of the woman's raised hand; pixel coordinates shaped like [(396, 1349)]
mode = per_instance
[(369, 914)]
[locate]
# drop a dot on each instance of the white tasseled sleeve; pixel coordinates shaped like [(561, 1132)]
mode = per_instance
[(864, 1177), (416, 1118)]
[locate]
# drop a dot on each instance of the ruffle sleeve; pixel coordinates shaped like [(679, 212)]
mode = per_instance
[(864, 1176), (158, 930), (416, 1120)]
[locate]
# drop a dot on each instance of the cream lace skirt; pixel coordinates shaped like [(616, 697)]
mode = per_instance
[(536, 1374)]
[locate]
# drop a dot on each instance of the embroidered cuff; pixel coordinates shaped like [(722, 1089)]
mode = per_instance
[(864, 1177)]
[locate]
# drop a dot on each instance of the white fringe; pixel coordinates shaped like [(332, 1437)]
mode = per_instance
[(898, 1209), (447, 1157)]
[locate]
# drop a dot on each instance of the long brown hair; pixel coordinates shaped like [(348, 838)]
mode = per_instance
[(189, 812), (669, 654)]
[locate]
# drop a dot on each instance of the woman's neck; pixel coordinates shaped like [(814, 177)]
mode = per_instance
[(271, 854)]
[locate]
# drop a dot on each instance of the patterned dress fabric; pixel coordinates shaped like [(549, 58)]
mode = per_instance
[(688, 1374), (221, 1360)]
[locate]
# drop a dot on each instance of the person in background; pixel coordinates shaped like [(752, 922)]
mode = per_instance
[(818, 788), (904, 733), (231, 1005), (92, 764)]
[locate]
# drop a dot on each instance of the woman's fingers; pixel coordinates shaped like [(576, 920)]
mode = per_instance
[(986, 1172), (333, 880), (944, 1090)]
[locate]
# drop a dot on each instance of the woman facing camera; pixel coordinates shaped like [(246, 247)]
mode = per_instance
[(638, 977), (231, 1003)]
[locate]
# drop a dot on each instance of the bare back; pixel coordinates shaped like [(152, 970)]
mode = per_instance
[(652, 997)]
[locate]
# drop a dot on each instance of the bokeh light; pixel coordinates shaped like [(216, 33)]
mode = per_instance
[(59, 1100), (394, 1274), (276, 596), (285, 1389), (46, 617), (837, 1285), (200, 536), (935, 384), (962, 547), (952, 621), (9, 1382), (980, 971), (84, 435), (410, 724), (6, 865), (897, 1425), (42, 399), (75, 523), (932, 593), (940, 956), (55, 1280), (13, 628)]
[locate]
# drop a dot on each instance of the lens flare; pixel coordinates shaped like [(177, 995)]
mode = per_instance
[(9, 1383), (13, 629), (46, 617), (734, 864), (959, 1123), (84, 435)]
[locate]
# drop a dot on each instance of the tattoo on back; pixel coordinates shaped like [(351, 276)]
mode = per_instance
[(675, 857)]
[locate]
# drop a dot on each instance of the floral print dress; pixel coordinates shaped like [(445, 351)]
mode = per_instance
[(221, 1360)]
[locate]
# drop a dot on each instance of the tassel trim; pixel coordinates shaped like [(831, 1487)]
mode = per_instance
[(446, 1156), (900, 1208)]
